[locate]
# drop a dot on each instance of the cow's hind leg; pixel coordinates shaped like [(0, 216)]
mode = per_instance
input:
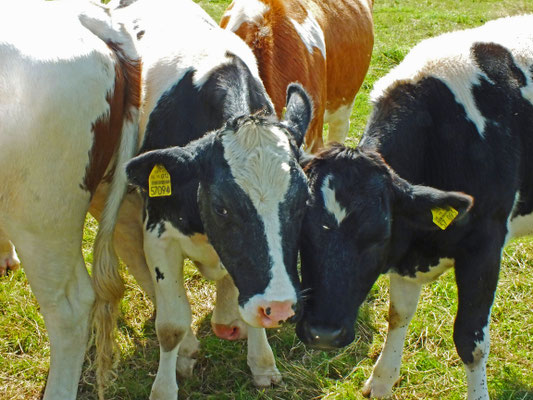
[(59, 280), (9, 260), (477, 278), (339, 122), (404, 295)]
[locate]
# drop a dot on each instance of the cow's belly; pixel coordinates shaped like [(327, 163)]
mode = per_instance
[(198, 249), (423, 277), (520, 225)]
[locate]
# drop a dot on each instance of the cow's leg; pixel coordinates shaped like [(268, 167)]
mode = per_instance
[(59, 280), (173, 316), (226, 321), (227, 324), (128, 237), (339, 122), (261, 359), (313, 139), (404, 295), (188, 350), (477, 279), (9, 260)]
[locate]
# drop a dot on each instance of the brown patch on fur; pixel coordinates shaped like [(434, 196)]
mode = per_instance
[(394, 318), (107, 129), (169, 336), (283, 58)]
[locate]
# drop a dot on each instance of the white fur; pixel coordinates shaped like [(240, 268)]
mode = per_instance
[(434, 272), (311, 34), (447, 57), (245, 11), (520, 225), (476, 374), (259, 161), (53, 87), (404, 295), (330, 201), (339, 122), (168, 49)]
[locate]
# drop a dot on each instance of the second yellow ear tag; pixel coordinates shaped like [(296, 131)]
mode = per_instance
[(159, 182), (443, 217)]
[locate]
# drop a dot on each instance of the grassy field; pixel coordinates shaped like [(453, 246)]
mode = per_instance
[(431, 368)]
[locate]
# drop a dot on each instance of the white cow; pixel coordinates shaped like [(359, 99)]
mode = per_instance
[(68, 108)]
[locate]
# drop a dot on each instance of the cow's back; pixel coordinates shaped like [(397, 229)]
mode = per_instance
[(52, 97), (176, 37), (324, 45)]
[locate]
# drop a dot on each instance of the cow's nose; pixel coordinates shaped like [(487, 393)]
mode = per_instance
[(228, 332), (322, 337), (274, 313)]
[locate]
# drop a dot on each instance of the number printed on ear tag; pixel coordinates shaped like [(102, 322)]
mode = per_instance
[(159, 182), (443, 217)]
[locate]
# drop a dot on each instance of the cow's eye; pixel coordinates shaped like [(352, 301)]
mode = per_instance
[(221, 211), (326, 227)]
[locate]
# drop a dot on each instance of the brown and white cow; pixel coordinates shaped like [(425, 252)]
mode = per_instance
[(325, 45), (69, 99)]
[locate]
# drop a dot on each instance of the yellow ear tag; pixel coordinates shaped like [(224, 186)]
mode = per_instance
[(443, 217), (159, 182)]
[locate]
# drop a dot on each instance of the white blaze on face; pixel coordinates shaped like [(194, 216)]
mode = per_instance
[(330, 201), (259, 160), (311, 34), (245, 11)]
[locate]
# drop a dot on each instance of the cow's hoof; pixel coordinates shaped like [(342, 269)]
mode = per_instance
[(185, 366), (9, 261), (377, 390), (267, 378), (164, 393)]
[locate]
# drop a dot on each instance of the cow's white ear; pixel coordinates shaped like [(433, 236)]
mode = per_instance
[(178, 163), (299, 112), (428, 208)]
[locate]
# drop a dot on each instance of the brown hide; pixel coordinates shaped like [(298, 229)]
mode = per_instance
[(283, 58), (107, 129)]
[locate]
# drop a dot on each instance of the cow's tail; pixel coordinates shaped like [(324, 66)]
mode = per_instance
[(107, 282)]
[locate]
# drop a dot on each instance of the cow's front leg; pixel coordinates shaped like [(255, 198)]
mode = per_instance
[(404, 296), (261, 359), (476, 283), (173, 316), (9, 260)]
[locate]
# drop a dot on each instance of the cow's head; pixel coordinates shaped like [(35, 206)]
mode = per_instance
[(251, 198), (347, 232)]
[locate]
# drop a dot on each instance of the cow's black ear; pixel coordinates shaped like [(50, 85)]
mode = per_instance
[(179, 163), (299, 112), (428, 208)]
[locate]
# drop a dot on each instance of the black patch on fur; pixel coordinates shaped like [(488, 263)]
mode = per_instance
[(159, 275), (426, 137)]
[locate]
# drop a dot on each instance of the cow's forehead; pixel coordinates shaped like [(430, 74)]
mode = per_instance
[(259, 157)]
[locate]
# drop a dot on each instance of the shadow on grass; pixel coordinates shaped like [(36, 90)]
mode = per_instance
[(513, 389), (222, 372)]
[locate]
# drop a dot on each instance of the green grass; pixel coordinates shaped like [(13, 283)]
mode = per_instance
[(431, 368)]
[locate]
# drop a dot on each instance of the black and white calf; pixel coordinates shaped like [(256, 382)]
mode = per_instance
[(235, 192), (455, 117)]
